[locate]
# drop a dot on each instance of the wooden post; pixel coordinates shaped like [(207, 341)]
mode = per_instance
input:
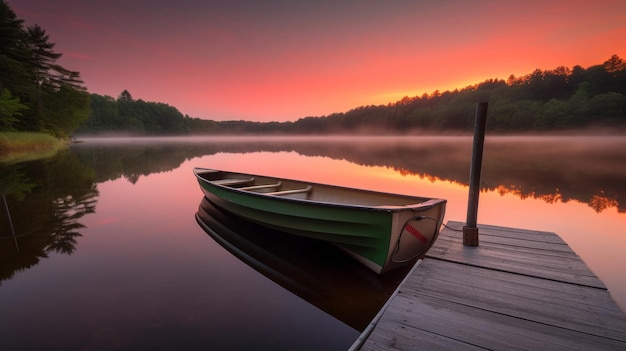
[(470, 230)]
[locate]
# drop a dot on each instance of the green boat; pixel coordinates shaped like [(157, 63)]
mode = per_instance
[(314, 270), (383, 231)]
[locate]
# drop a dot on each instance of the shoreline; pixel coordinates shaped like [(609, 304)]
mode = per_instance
[(26, 146)]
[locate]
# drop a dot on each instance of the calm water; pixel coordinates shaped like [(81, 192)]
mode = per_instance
[(106, 252)]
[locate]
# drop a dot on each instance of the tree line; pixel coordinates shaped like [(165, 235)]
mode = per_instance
[(549, 100), (540, 101), (36, 93)]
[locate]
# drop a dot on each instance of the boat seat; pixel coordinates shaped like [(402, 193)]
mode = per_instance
[(294, 191), (261, 186), (231, 182)]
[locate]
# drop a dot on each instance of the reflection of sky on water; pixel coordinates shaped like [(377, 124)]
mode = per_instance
[(146, 276), (545, 183), (586, 169), (597, 237), (142, 247)]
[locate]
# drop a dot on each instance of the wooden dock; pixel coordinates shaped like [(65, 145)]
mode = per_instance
[(518, 290)]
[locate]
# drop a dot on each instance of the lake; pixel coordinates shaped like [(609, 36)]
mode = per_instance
[(100, 247)]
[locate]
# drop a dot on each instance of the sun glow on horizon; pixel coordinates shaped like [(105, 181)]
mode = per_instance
[(301, 59), (395, 96)]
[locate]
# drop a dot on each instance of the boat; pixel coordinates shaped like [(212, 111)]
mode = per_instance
[(316, 271), (383, 231)]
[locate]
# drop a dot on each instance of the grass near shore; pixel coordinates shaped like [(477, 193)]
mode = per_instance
[(22, 146)]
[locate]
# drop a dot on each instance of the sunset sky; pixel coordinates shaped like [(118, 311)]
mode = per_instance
[(278, 60)]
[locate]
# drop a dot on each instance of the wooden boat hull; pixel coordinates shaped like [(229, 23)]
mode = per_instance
[(383, 231)]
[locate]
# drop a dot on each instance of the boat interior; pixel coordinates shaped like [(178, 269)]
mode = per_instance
[(272, 188), (305, 190)]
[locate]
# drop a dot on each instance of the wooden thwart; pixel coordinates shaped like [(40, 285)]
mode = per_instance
[(236, 182), (262, 186), (232, 182), (520, 289), (293, 191)]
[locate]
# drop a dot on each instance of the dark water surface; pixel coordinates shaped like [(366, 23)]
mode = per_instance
[(100, 247)]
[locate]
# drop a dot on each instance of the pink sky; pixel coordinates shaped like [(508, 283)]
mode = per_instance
[(279, 60)]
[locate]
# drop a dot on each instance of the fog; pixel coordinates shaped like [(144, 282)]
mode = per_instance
[(589, 169)]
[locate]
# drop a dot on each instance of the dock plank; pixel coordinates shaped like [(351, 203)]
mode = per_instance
[(518, 290), (510, 246), (577, 308), (543, 263), (486, 230), (518, 241), (476, 328)]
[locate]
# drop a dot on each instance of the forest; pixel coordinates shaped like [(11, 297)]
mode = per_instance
[(37, 94), (541, 101)]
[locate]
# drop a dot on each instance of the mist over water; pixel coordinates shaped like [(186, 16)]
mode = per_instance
[(563, 168)]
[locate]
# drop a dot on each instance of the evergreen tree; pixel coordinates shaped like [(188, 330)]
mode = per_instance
[(50, 98), (14, 74), (125, 96), (10, 110)]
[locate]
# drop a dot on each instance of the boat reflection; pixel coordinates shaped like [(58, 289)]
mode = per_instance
[(553, 169), (314, 270)]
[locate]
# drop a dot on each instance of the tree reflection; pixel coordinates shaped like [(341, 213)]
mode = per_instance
[(45, 200), (553, 169), (67, 212), (601, 203)]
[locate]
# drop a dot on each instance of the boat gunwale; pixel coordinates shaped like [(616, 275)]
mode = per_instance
[(426, 204)]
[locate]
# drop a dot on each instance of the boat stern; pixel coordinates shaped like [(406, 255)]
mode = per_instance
[(413, 234)]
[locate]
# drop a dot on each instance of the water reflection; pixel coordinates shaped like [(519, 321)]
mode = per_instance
[(45, 199), (43, 202), (316, 271), (590, 170), (143, 273)]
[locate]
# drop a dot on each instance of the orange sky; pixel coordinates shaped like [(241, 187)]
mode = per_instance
[(279, 60)]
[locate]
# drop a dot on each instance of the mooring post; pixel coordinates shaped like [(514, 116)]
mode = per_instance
[(470, 230)]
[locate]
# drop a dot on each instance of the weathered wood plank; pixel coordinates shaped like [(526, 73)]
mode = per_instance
[(476, 328), (512, 246), (532, 266), (561, 260), (486, 230), (517, 242), (577, 308), (540, 263), (518, 290), (387, 338)]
